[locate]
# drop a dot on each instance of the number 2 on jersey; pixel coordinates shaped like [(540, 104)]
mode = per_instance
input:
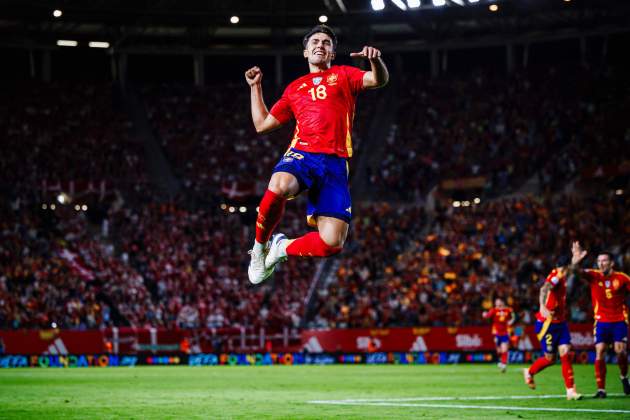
[(319, 93)]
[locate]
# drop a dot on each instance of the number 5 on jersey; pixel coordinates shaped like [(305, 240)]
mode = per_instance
[(319, 93)]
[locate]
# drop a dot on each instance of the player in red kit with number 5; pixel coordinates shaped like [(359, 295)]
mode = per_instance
[(609, 291), (322, 104), (502, 317)]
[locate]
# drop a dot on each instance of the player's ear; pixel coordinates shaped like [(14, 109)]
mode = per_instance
[(305, 53), (333, 55)]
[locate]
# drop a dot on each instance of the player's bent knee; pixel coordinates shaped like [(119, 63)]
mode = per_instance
[(326, 250)]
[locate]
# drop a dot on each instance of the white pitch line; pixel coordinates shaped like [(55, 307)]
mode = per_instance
[(482, 407), (462, 398)]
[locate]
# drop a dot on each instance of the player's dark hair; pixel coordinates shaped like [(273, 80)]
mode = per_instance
[(325, 29), (605, 252)]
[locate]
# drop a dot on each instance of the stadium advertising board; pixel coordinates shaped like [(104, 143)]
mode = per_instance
[(270, 359), (175, 342), (422, 339)]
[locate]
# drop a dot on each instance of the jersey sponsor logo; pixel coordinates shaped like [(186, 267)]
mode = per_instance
[(332, 79), (317, 80)]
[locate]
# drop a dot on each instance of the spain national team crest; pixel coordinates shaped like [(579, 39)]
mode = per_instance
[(332, 79), (317, 80), (607, 283)]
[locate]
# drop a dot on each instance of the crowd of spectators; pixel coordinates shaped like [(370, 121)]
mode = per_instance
[(450, 274), (505, 129), (179, 265)]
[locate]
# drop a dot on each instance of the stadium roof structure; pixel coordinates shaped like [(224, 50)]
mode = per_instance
[(170, 26)]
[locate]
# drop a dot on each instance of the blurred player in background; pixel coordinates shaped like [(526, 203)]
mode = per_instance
[(609, 291), (322, 104), (552, 329), (502, 318)]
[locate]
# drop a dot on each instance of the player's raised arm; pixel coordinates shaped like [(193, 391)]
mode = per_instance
[(378, 76), (263, 120), (544, 295), (577, 256)]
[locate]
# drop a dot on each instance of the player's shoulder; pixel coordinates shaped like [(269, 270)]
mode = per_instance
[(622, 275)]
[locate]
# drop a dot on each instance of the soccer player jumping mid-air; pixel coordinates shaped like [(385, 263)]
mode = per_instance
[(502, 317), (609, 291), (322, 104), (552, 328)]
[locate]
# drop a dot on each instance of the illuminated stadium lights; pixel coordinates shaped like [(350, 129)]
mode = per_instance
[(400, 4), (477, 200), (53, 324), (493, 7), (66, 43), (62, 198), (413, 3), (57, 13), (456, 204), (84, 207), (619, 192), (232, 209), (377, 4), (44, 206), (98, 44), (458, 2), (223, 206), (439, 3), (323, 18), (473, 1), (77, 207), (242, 209), (53, 207), (234, 19)]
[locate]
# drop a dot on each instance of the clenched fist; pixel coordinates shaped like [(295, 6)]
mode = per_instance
[(253, 76)]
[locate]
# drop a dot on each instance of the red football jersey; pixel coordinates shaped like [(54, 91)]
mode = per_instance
[(557, 299), (609, 295), (500, 319), (323, 107)]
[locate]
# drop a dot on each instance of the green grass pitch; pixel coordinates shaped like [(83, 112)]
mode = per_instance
[(286, 392)]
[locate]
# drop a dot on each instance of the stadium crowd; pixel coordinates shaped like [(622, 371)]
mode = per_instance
[(178, 265), (506, 129)]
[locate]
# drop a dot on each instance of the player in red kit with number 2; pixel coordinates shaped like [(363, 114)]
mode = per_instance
[(609, 291), (502, 317), (322, 104), (552, 328)]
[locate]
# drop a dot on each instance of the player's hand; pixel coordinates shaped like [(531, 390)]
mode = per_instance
[(546, 312), (367, 52), (577, 253), (253, 76)]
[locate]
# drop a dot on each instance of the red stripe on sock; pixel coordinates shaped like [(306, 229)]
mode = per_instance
[(311, 245), (600, 373), (567, 371), (504, 358), (622, 361), (269, 214), (540, 364)]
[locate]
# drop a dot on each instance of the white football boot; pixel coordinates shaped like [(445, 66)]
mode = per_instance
[(573, 395), (256, 271), (277, 251)]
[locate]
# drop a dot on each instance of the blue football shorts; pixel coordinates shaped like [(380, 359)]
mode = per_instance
[(326, 179)]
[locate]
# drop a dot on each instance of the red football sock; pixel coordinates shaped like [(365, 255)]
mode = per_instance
[(540, 364), (622, 360), (600, 373), (567, 371), (504, 358), (269, 214), (311, 245)]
